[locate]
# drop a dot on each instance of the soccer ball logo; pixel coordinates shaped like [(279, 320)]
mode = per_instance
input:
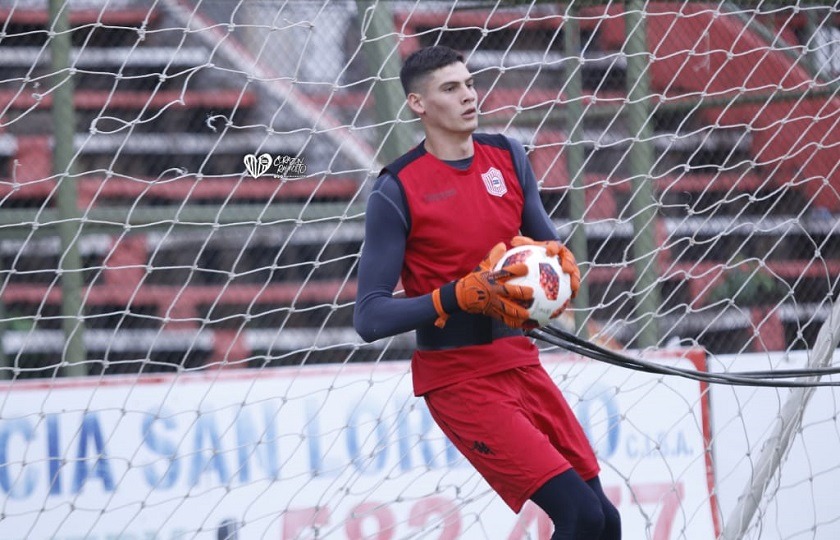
[(551, 285)]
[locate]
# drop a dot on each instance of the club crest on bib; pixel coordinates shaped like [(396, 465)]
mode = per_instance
[(494, 182)]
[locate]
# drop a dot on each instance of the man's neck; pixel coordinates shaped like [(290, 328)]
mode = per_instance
[(450, 147)]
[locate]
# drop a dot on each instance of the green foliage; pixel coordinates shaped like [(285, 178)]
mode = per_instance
[(747, 283)]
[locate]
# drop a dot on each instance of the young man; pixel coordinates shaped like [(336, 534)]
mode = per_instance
[(434, 214)]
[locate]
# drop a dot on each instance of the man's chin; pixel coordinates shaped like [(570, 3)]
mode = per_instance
[(469, 127)]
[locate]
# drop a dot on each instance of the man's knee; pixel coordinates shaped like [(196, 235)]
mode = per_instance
[(591, 521), (612, 522)]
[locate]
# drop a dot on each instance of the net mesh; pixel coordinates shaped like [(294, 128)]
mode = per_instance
[(209, 213)]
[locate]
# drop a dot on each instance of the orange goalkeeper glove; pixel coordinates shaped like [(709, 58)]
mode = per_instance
[(554, 248), (486, 292)]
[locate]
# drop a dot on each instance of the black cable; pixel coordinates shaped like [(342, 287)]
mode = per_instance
[(572, 343), (742, 378)]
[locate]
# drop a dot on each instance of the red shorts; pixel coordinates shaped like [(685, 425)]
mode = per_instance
[(516, 429)]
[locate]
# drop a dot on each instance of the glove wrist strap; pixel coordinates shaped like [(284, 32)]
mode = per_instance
[(443, 316)]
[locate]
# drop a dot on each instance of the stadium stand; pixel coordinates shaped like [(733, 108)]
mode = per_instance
[(187, 298)]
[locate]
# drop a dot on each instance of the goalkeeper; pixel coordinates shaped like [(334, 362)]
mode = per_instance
[(446, 206)]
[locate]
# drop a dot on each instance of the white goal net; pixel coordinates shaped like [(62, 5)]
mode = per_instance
[(182, 197)]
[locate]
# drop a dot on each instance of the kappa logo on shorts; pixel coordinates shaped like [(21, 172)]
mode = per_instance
[(481, 448), (494, 182)]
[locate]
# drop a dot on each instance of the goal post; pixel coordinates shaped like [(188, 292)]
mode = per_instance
[(787, 425), (182, 197)]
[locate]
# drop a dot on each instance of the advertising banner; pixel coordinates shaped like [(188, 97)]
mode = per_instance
[(340, 451)]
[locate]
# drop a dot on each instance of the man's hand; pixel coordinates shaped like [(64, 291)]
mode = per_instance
[(554, 248), (485, 291)]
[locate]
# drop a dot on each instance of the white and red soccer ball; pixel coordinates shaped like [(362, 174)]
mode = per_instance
[(551, 285)]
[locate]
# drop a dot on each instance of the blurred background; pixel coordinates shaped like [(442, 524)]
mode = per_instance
[(689, 157)]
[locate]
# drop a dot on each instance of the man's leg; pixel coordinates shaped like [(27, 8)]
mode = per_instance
[(573, 506), (484, 420), (612, 519)]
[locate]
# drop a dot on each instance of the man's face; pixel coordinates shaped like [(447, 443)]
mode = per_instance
[(446, 100)]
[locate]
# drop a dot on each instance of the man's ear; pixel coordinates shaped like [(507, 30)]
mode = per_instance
[(415, 103)]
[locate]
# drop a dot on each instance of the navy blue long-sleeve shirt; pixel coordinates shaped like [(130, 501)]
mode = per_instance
[(378, 313)]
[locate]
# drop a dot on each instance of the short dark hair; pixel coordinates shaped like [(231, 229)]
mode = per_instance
[(424, 61)]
